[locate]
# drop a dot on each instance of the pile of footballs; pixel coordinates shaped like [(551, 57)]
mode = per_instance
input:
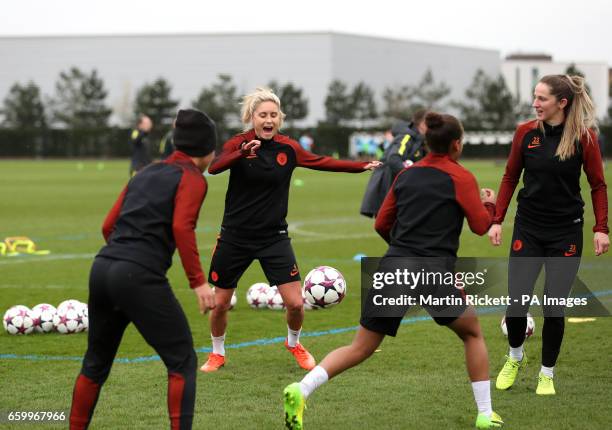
[(70, 316), (323, 287)]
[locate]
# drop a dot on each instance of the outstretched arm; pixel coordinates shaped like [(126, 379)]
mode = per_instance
[(321, 162), (478, 209)]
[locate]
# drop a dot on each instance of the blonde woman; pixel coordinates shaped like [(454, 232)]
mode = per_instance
[(550, 151), (261, 162)]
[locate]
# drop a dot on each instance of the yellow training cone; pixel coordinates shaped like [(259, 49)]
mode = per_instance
[(580, 320)]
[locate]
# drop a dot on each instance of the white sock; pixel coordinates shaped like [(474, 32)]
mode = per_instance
[(313, 380), (548, 371), (293, 336), (482, 395), (218, 344), (516, 353)]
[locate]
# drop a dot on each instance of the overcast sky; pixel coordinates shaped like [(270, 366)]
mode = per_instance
[(568, 30)]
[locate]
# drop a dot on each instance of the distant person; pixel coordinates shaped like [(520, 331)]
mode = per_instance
[(156, 213), (139, 142), (549, 152), (429, 200), (406, 148), (306, 142), (166, 144)]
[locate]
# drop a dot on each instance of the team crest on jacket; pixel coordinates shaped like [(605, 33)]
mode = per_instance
[(281, 158), (535, 142)]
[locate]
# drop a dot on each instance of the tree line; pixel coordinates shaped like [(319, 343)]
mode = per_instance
[(79, 102)]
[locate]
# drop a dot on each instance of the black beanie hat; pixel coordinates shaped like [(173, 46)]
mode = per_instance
[(194, 133)]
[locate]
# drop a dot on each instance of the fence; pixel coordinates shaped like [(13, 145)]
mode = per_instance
[(113, 142)]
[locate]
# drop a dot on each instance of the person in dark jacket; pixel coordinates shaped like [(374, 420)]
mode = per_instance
[(549, 152), (139, 142), (155, 214), (406, 148), (442, 192), (254, 227)]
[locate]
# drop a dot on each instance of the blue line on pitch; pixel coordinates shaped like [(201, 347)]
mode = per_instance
[(257, 342)]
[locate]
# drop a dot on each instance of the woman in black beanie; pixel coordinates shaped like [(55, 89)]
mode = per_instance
[(156, 213)]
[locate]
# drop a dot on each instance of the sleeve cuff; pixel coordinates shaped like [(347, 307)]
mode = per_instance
[(197, 280)]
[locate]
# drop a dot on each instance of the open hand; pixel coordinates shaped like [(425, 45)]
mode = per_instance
[(373, 165)]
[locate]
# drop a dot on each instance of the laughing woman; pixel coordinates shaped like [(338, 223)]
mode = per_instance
[(261, 162)]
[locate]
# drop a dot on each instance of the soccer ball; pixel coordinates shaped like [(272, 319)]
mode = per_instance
[(324, 286), (42, 315), (528, 330), (70, 304), (85, 312), (17, 320), (307, 305), (257, 295), (274, 299), (69, 318)]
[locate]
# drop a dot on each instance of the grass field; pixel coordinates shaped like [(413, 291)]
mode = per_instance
[(417, 381)]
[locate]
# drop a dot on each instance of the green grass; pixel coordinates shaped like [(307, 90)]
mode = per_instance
[(418, 380)]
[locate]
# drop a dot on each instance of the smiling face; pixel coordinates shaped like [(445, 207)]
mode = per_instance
[(547, 107), (266, 120)]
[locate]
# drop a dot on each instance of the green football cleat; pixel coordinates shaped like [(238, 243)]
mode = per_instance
[(546, 387), (507, 375), (485, 422), (294, 406)]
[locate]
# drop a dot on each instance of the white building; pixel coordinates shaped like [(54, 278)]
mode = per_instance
[(189, 62), (523, 71)]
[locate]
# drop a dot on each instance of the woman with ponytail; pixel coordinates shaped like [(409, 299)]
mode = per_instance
[(550, 151), (421, 218)]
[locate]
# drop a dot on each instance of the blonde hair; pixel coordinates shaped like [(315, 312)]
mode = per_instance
[(579, 111), (250, 102)]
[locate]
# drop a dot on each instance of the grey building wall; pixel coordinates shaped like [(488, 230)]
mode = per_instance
[(386, 62), (189, 62)]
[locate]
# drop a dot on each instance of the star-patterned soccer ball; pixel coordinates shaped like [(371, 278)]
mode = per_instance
[(324, 286), (42, 315), (274, 299), (257, 295), (528, 330), (17, 320), (69, 317), (307, 305)]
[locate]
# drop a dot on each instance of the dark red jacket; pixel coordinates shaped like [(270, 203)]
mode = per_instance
[(551, 196), (156, 213), (257, 196), (423, 212)]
